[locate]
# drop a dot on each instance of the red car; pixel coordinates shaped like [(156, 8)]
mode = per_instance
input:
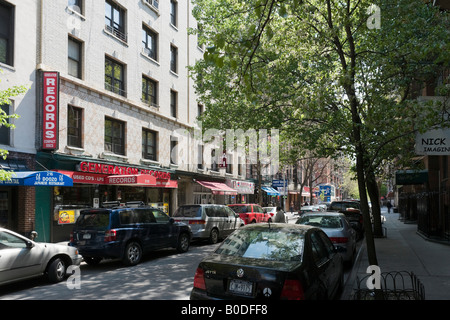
[(251, 213)]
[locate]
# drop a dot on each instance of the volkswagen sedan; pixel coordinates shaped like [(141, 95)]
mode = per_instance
[(271, 261)]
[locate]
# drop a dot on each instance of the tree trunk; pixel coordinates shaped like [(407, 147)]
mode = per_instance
[(372, 189)]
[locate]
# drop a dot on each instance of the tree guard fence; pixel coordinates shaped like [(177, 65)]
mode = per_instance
[(394, 285)]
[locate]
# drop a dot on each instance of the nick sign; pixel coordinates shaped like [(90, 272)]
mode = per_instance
[(50, 81)]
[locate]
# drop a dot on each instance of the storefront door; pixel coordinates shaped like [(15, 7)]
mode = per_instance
[(5, 209)]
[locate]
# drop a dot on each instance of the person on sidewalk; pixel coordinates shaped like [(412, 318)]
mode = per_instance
[(280, 217), (389, 206)]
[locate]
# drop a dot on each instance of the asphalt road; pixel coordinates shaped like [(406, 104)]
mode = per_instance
[(162, 275)]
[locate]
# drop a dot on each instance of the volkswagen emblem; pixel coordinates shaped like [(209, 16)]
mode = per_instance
[(240, 273)]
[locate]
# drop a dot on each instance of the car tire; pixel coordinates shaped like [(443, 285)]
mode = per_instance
[(57, 270), (183, 242), (214, 236), (133, 254)]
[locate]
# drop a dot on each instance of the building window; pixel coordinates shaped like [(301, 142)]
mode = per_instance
[(74, 58), (150, 43), (149, 145), (153, 3), (173, 12), (199, 110), (6, 33), (4, 129), (74, 129), (114, 136), (173, 59), (115, 20), (76, 5), (114, 76), (200, 149), (229, 167), (214, 159), (173, 150), (173, 103), (150, 91)]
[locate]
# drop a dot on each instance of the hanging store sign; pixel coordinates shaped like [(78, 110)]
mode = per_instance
[(433, 143), (50, 97)]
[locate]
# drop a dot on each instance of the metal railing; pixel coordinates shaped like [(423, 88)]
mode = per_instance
[(395, 285)]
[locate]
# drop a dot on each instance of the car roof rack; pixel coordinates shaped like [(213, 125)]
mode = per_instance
[(110, 204), (135, 204)]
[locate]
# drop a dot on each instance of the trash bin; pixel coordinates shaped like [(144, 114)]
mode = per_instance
[(395, 285)]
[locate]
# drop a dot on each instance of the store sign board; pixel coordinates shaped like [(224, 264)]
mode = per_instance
[(433, 143), (102, 168), (50, 97)]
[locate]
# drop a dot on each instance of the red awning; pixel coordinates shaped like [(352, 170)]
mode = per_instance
[(132, 179), (218, 188)]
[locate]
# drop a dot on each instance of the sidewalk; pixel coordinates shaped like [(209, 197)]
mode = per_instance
[(403, 249)]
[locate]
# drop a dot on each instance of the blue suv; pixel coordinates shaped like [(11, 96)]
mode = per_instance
[(126, 233)]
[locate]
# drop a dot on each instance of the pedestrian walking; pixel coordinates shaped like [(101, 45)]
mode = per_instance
[(280, 217), (389, 206)]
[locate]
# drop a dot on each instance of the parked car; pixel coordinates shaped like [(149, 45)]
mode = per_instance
[(270, 210), (306, 209), (271, 261), (22, 258), (251, 213), (126, 233), (337, 228), (352, 210), (208, 221)]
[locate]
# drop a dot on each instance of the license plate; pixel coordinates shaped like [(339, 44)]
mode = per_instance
[(241, 287), (86, 236)]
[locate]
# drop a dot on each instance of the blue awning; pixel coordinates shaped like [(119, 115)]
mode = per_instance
[(271, 191), (38, 178)]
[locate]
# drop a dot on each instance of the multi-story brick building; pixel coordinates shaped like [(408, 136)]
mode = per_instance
[(124, 105)]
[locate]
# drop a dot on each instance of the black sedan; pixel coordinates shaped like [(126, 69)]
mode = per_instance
[(271, 261)]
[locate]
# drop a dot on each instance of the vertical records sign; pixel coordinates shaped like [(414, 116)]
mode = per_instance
[(50, 81)]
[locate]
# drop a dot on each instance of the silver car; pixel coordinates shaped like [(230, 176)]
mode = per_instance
[(208, 221), (337, 228), (22, 258)]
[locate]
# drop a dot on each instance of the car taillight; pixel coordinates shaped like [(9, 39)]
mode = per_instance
[(292, 290), (71, 236), (199, 279), (110, 235), (339, 239), (197, 222)]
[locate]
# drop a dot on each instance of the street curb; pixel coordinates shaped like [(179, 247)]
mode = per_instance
[(351, 280)]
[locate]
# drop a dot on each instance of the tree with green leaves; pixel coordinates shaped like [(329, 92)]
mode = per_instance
[(5, 96), (335, 75)]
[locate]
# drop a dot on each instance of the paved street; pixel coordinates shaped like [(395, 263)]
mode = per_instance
[(163, 275)]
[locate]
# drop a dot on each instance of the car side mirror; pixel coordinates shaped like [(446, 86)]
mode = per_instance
[(29, 244), (171, 220)]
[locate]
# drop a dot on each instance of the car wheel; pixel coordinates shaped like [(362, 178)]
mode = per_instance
[(133, 254), (92, 261), (183, 242), (57, 270), (214, 236)]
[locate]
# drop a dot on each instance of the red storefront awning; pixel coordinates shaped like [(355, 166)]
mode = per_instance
[(132, 179), (218, 187), (144, 180)]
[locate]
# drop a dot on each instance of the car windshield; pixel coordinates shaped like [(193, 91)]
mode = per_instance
[(188, 211), (271, 244), (321, 221), (96, 221), (241, 209)]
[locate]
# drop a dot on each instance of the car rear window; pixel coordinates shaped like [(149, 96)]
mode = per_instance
[(321, 221), (188, 212), (270, 244), (96, 221)]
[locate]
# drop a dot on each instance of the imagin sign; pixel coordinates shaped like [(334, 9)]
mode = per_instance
[(50, 110)]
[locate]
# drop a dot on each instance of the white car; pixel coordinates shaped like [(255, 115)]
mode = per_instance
[(22, 258)]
